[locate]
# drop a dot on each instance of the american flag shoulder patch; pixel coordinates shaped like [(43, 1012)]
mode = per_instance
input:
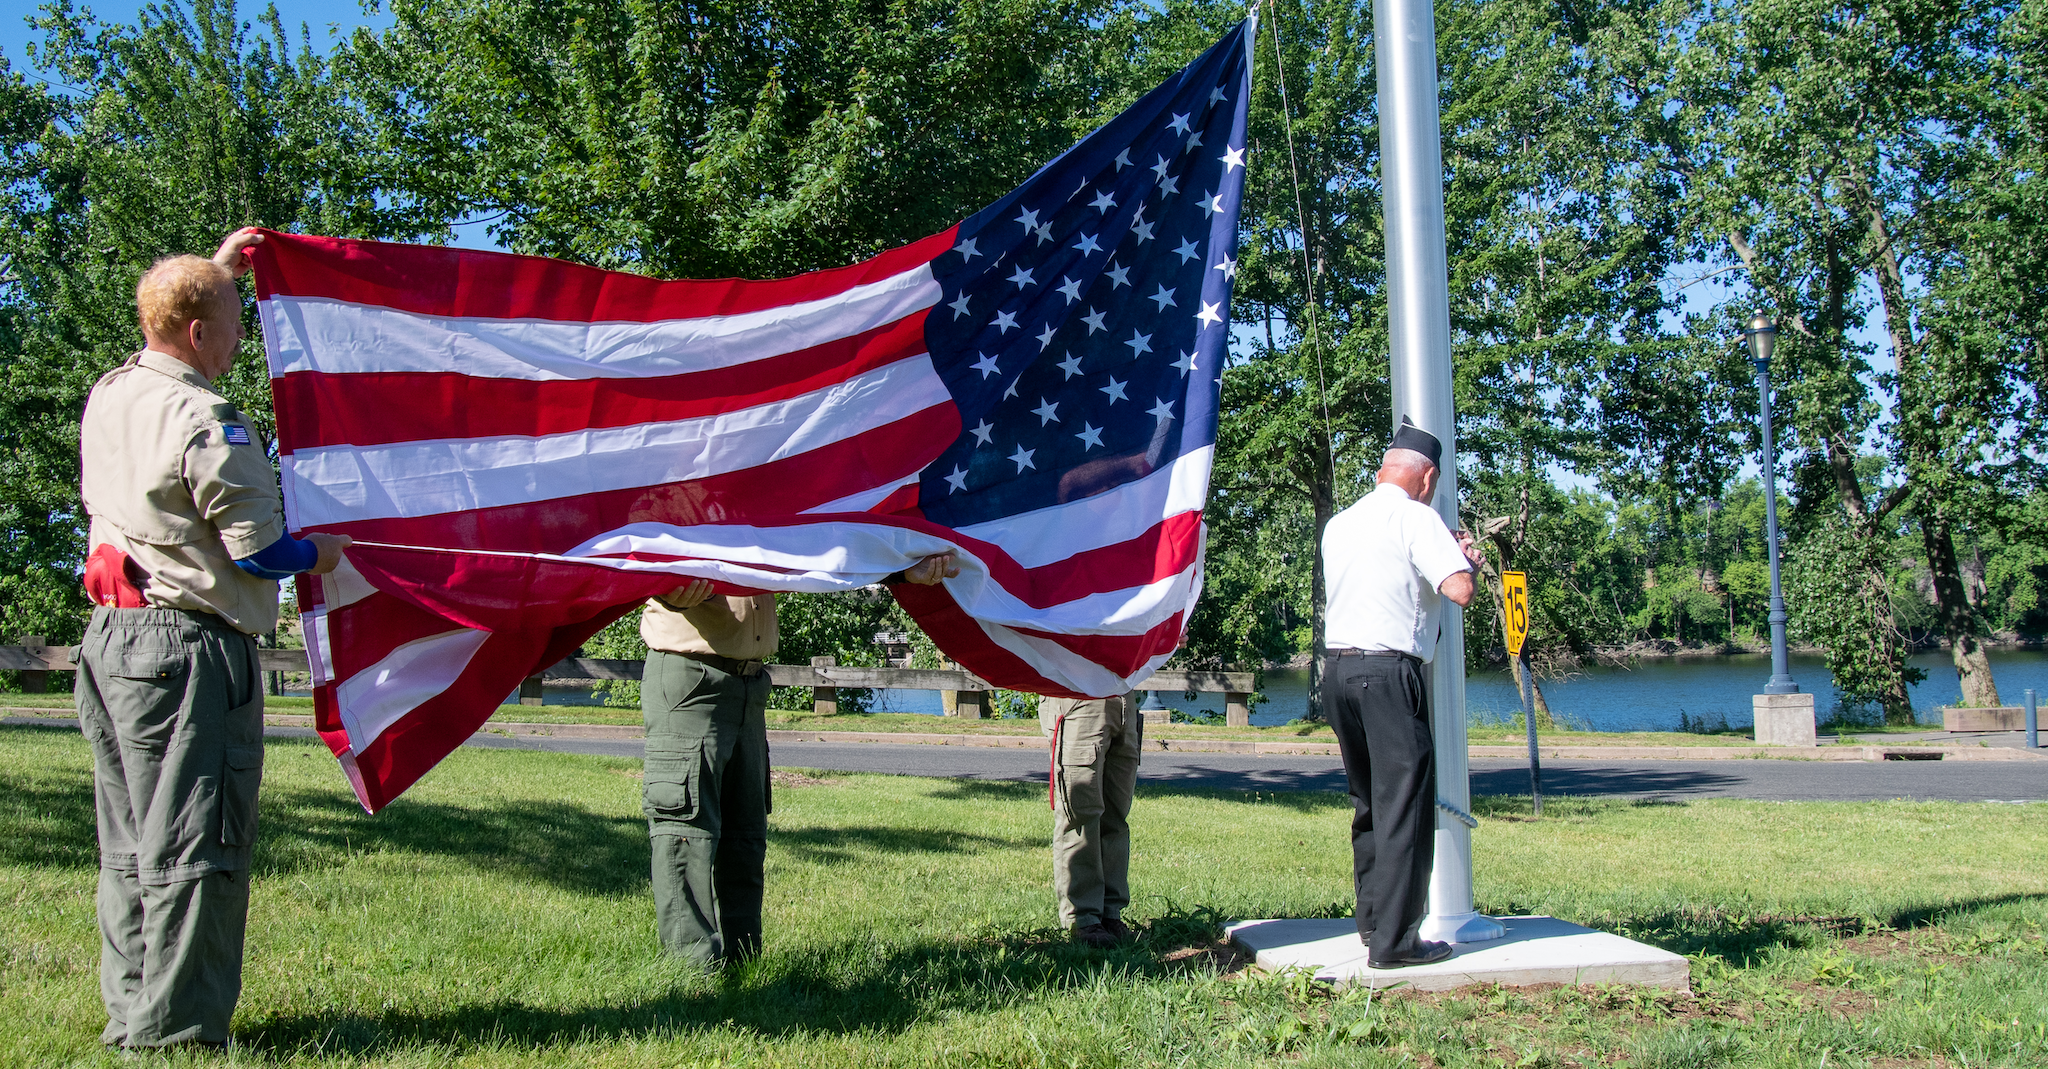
[(237, 434)]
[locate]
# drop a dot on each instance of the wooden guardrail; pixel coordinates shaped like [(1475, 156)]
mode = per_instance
[(969, 692)]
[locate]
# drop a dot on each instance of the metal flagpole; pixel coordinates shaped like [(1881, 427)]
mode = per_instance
[(1419, 330)]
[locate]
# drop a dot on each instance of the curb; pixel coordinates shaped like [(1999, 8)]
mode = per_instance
[(628, 732)]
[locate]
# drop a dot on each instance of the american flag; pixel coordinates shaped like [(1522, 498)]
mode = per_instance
[(525, 449)]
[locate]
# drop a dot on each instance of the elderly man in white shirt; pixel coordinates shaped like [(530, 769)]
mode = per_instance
[(1390, 562)]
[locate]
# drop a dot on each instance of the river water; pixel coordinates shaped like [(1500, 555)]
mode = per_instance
[(1649, 695)]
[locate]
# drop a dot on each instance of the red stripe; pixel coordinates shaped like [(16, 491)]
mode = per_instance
[(1122, 654), (776, 489), (960, 638), (364, 632), (317, 410), (440, 281)]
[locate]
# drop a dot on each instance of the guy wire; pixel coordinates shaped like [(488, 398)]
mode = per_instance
[(1308, 275)]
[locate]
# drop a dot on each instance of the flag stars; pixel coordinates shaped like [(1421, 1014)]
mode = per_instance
[(1168, 186), (1022, 278), (1118, 276), (1194, 142), (958, 480), (1094, 320), (1071, 365), (1216, 95), (1045, 339), (1164, 299), (959, 307), (986, 365), (984, 433), (1029, 219), (1212, 205), (1123, 160), (1088, 244), (1047, 411), (1011, 391), (1140, 343), (1143, 231), (1186, 363), (967, 249), (1091, 436), (1115, 390), (1160, 168), (1210, 313), (1044, 232), (1179, 125), (1164, 409), (1188, 251), (1005, 322), (1022, 458), (1070, 287), (1103, 202), (1232, 159), (1228, 267)]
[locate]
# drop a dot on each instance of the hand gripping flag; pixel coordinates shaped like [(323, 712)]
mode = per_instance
[(524, 449)]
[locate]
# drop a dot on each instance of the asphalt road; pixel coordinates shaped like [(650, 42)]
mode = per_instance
[(1788, 781), (1784, 781)]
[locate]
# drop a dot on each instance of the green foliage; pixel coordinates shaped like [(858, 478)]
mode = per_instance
[(1833, 605)]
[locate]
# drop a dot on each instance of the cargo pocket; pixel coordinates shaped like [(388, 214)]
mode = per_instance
[(241, 778), (143, 689), (670, 787)]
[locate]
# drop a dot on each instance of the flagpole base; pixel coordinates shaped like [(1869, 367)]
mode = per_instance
[(1461, 928)]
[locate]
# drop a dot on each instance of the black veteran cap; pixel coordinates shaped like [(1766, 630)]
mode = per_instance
[(1410, 436)]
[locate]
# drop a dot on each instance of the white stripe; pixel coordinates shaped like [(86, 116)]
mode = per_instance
[(866, 499), (842, 555), (1067, 668), (343, 483), (380, 695), (319, 648), (343, 586), (1053, 534), (339, 337)]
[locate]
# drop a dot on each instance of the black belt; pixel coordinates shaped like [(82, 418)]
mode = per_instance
[(1376, 653), (745, 669)]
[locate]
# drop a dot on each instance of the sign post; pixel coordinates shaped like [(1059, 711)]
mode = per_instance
[(1514, 588)]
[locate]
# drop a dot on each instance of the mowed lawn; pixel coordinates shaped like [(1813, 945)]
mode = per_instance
[(499, 915)]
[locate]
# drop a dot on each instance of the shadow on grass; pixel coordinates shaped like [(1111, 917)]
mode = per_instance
[(1300, 801), (847, 988)]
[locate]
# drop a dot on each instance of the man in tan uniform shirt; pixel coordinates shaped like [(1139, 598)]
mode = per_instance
[(705, 784), (189, 540)]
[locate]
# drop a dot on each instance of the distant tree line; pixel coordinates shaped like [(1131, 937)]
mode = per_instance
[(1626, 183)]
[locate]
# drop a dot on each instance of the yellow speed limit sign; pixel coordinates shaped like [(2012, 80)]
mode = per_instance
[(1514, 589)]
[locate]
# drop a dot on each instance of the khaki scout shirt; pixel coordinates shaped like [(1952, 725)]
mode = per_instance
[(165, 484), (740, 628)]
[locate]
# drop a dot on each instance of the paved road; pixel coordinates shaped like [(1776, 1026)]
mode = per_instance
[(1968, 781), (1789, 781)]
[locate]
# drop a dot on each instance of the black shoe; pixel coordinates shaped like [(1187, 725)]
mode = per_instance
[(1426, 952), (1094, 937), (1116, 927)]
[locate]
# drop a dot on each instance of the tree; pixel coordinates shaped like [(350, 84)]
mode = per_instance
[(181, 128), (1822, 144)]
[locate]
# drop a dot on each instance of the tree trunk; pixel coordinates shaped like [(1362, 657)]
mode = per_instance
[(1958, 617)]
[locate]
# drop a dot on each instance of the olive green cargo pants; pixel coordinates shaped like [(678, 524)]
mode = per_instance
[(706, 796), (1094, 774), (171, 703)]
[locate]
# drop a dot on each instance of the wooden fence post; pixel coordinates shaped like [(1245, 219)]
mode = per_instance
[(972, 704), (34, 682), (824, 700), (1237, 709), (530, 692)]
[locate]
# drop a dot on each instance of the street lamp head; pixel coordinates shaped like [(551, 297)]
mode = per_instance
[(1763, 337)]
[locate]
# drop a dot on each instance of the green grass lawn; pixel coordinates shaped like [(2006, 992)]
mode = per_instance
[(498, 915)]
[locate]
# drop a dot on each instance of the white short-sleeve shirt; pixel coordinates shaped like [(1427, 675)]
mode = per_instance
[(1383, 559)]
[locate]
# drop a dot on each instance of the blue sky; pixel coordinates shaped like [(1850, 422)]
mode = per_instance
[(318, 15)]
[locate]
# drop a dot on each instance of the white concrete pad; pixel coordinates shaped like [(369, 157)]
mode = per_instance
[(1536, 950)]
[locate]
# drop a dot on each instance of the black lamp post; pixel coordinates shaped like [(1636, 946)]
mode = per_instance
[(1763, 336)]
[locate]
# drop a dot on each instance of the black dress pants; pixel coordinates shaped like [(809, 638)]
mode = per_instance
[(1380, 712)]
